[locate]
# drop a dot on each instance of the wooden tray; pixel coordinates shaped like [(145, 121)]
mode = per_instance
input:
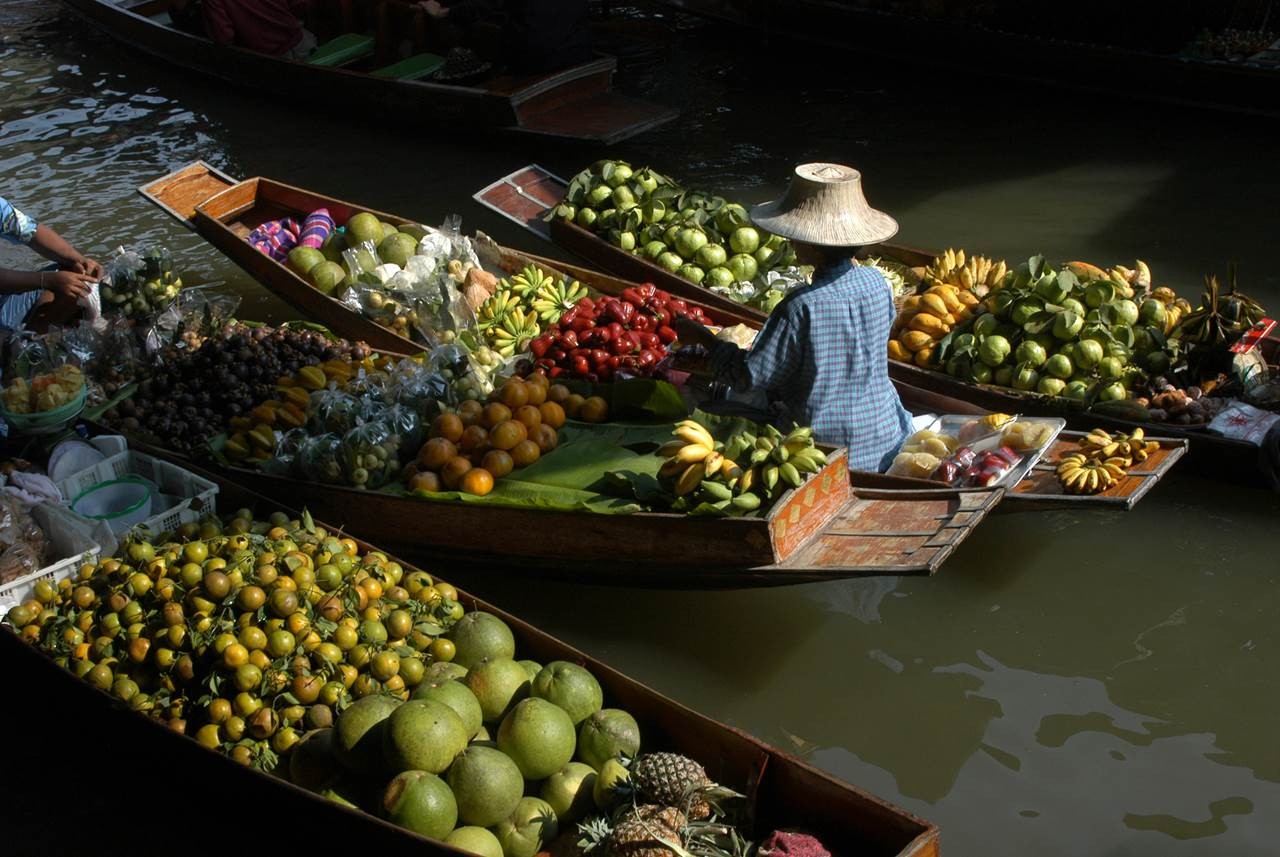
[(1042, 485)]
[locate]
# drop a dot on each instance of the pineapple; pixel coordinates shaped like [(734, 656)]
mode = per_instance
[(668, 779), (647, 831)]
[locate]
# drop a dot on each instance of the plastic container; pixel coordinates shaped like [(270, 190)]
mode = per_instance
[(67, 541), (184, 497), (45, 422), (122, 503)]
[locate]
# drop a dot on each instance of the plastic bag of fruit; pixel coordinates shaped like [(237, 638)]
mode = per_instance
[(139, 283), (22, 542), (285, 461), (408, 430), (369, 455), (317, 459), (333, 411), (194, 316)]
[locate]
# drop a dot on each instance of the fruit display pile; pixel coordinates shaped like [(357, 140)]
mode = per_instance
[(44, 392), (745, 474), (191, 396), (1102, 460), (694, 235), (288, 649), (1087, 335), (138, 285), (521, 305), (607, 337), (979, 454)]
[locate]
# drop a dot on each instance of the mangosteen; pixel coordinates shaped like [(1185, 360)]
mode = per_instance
[(130, 424)]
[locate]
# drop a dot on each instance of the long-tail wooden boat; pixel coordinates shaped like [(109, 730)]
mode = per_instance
[(781, 790), (576, 102), (1211, 454), (1079, 64)]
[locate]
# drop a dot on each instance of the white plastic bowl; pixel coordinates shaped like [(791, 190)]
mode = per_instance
[(122, 503)]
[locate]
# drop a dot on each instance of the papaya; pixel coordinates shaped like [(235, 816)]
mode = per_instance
[(910, 304), (968, 298), (914, 340), (899, 352), (948, 295), (924, 357), (1085, 271), (929, 324), (933, 304)]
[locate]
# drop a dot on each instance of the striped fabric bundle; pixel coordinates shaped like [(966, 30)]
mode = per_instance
[(276, 238), (316, 228)]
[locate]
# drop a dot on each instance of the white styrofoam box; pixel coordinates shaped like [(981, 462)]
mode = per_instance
[(185, 496)]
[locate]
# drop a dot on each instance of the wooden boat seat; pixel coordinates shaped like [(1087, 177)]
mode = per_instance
[(415, 67), (343, 50)]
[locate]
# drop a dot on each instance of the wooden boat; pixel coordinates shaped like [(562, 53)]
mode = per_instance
[(781, 790), (574, 103), (1249, 87), (1212, 454)]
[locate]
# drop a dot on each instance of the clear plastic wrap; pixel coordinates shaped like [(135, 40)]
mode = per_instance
[(333, 411), (138, 283), (22, 542), (288, 447), (369, 455), (317, 459), (408, 428)]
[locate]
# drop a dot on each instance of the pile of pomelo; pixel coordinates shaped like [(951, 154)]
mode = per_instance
[(490, 754)]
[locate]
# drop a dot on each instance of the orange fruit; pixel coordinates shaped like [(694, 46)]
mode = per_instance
[(552, 414), (530, 415), (494, 413), (545, 437), (477, 481), (498, 462), (524, 453), (558, 393), (594, 410), (425, 481), (537, 391), (436, 452), (507, 434), (469, 412), (474, 436), (513, 394), (573, 405), (448, 426), (453, 472)]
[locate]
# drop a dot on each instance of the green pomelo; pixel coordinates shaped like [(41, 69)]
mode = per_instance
[(670, 261), (744, 239), (719, 277), (357, 740), (607, 734), (481, 635), (570, 791), (689, 240), (365, 259), (477, 840), (457, 696), (416, 231), (333, 246), (743, 267), (388, 230), (538, 736), (311, 761), (303, 259), (443, 671), (327, 277), (397, 248), (607, 791), (498, 683), (421, 802), (710, 256), (531, 667), (570, 687), (423, 735), (486, 784), (363, 227), (529, 829)]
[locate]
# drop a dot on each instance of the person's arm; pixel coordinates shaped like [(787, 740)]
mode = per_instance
[(772, 360), (217, 23), (462, 13), (67, 284), (55, 248)]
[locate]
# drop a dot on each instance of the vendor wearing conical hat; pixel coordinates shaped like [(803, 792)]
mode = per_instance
[(820, 358)]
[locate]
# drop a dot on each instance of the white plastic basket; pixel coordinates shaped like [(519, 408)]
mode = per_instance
[(184, 497), (67, 541)]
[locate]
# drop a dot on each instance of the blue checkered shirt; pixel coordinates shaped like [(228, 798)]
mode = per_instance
[(822, 355), (15, 226)]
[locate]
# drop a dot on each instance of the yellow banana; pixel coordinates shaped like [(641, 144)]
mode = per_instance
[(690, 435), (689, 453), (691, 478), (711, 463)]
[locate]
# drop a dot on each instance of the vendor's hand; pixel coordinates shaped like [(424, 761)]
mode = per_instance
[(434, 9), (85, 265), (692, 333), (69, 284)]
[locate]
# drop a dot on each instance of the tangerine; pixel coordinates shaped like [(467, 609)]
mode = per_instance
[(425, 481), (529, 415), (514, 393), (477, 481), (498, 462), (573, 405), (436, 452), (537, 389), (507, 434), (469, 412), (558, 393), (473, 437), (447, 426), (525, 452), (494, 413), (552, 414), (545, 437), (594, 410), (453, 471)]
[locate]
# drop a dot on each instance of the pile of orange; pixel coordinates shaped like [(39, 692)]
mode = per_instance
[(480, 443)]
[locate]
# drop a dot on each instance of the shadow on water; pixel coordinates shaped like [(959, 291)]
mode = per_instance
[(1067, 684)]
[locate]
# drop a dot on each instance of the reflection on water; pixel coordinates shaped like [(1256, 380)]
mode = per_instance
[(1069, 683)]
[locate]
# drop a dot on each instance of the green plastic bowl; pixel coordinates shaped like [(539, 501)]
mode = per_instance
[(45, 422)]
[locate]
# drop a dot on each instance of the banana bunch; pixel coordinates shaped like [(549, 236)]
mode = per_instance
[(526, 284), (553, 298), (783, 461), (495, 310), (517, 327), (976, 274), (1131, 448), (1081, 475)]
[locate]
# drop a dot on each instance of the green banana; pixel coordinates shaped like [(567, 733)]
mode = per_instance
[(715, 491), (780, 454), (747, 502), (790, 475), (769, 477)]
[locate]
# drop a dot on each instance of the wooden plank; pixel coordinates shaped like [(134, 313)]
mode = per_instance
[(607, 117), (182, 190), (524, 197), (802, 512)]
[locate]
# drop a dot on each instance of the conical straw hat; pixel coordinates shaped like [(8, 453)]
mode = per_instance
[(824, 205)]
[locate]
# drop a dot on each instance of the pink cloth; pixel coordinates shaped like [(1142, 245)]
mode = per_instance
[(782, 843), (266, 26)]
